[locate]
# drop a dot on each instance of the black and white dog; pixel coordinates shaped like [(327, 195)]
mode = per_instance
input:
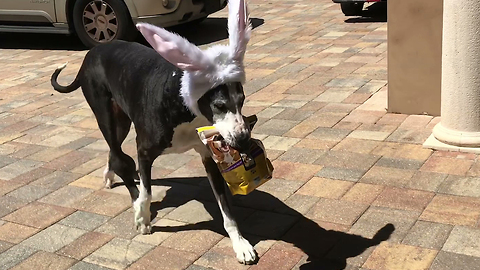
[(167, 94)]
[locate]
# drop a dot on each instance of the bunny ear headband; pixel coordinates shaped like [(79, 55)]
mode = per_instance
[(204, 70)]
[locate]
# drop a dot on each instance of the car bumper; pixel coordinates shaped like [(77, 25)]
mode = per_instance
[(187, 11)]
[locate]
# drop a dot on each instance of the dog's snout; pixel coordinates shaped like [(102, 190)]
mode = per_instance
[(242, 142)]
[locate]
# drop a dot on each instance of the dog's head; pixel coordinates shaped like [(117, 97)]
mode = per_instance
[(222, 106), (212, 79)]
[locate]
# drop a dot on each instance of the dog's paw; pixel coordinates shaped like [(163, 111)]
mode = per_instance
[(108, 183), (246, 254), (108, 178), (142, 216), (142, 224), (143, 228)]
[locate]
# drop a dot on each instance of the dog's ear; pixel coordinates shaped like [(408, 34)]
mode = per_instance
[(251, 121), (239, 28), (174, 48)]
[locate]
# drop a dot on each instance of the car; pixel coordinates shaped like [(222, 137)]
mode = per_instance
[(353, 7), (100, 21)]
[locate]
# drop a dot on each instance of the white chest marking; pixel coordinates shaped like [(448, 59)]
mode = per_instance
[(185, 137)]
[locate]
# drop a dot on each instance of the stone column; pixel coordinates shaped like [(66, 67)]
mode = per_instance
[(460, 100)]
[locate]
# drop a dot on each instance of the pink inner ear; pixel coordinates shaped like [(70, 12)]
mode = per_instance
[(241, 17), (174, 48), (238, 15), (171, 52)]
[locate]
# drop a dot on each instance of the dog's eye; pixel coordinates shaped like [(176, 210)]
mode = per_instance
[(220, 106)]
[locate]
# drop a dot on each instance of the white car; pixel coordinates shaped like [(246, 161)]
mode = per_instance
[(100, 21)]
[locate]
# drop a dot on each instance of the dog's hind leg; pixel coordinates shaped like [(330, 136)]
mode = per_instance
[(122, 123), (245, 252), (108, 175), (121, 164)]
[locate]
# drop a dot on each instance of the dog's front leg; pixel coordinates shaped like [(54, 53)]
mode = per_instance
[(141, 205), (245, 252)]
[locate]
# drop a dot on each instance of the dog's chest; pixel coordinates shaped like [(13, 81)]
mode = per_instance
[(185, 137)]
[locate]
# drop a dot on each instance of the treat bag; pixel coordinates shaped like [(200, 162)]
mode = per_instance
[(242, 172)]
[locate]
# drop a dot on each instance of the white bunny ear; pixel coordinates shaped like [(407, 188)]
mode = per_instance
[(239, 28), (174, 48)]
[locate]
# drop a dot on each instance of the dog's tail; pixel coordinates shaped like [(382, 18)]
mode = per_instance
[(60, 88)]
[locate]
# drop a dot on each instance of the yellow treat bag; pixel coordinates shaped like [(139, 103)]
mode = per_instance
[(242, 172)]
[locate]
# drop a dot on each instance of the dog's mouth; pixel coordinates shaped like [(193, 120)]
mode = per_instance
[(226, 146), (237, 137), (243, 146)]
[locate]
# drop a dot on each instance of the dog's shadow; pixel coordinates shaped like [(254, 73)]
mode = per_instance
[(262, 216)]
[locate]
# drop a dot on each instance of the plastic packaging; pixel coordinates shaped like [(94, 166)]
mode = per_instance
[(242, 172)]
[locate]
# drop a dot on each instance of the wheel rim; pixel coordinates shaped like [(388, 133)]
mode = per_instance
[(100, 21)]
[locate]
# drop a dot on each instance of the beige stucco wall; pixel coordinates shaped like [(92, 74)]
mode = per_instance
[(414, 56)]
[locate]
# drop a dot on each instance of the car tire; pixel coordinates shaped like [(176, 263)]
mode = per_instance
[(352, 8), (102, 21)]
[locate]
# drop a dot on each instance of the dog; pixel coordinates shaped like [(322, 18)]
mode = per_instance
[(167, 92)]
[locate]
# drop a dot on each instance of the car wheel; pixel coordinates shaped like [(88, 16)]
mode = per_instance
[(102, 21), (352, 8)]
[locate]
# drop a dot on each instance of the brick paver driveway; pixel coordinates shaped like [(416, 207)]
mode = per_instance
[(345, 170)]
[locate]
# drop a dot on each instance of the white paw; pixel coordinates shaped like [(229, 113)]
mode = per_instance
[(246, 254), (108, 178), (143, 228), (142, 217), (142, 223)]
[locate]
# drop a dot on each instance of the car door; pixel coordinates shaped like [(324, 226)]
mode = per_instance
[(27, 11)]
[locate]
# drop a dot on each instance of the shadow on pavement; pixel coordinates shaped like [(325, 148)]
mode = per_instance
[(208, 31), (376, 12), (35, 41), (262, 216)]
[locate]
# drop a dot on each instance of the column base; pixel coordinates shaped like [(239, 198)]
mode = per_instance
[(450, 140), (456, 138), (433, 143)]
